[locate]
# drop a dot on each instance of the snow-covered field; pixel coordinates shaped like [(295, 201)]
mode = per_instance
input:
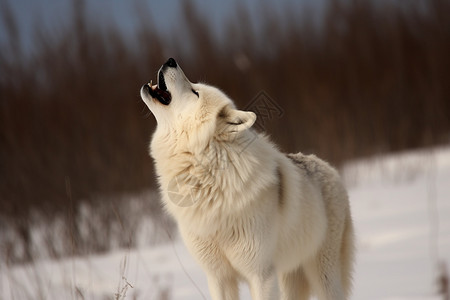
[(401, 210)]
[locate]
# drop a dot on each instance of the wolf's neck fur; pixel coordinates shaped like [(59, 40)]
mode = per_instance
[(221, 174)]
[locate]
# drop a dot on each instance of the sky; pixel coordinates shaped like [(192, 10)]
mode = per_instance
[(51, 14)]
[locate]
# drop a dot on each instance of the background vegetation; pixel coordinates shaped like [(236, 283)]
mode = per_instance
[(367, 78)]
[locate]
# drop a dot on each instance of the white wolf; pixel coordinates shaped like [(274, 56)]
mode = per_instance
[(245, 210)]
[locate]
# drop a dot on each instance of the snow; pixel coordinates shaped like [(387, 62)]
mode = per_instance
[(401, 210), (402, 219)]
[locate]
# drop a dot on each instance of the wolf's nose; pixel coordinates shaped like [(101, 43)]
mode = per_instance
[(171, 63)]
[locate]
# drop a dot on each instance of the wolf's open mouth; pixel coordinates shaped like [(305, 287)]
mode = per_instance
[(159, 91)]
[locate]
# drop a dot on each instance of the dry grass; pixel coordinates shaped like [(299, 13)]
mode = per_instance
[(443, 281)]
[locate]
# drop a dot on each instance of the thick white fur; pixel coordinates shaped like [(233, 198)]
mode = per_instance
[(245, 210)]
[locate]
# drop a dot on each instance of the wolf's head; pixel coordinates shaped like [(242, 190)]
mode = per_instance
[(196, 111)]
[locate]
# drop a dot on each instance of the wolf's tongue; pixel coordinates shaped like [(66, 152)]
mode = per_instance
[(163, 96), (160, 92)]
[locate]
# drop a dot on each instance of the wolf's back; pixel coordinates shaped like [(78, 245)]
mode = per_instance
[(314, 167)]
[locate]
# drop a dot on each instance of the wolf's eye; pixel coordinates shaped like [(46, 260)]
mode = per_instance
[(195, 92)]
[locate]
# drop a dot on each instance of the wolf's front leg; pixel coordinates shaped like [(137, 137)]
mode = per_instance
[(263, 285), (223, 288)]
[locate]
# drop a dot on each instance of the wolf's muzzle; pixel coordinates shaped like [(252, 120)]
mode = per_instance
[(171, 63)]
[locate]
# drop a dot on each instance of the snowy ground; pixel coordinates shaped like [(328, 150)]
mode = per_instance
[(401, 211)]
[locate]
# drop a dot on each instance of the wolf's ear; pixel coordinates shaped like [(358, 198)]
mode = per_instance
[(237, 120)]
